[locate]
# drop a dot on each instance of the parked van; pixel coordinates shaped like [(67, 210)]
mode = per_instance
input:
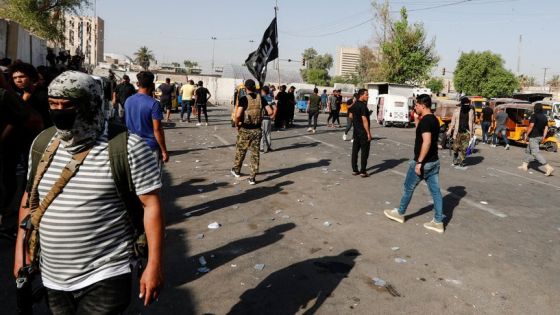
[(392, 110)]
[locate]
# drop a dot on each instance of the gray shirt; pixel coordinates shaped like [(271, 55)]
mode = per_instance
[(501, 119)]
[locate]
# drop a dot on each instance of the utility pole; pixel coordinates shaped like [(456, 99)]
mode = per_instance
[(277, 59), (519, 54), (544, 77), (213, 47)]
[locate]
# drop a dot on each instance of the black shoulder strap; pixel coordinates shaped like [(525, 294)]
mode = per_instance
[(39, 146)]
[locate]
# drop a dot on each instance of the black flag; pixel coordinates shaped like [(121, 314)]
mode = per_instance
[(267, 51)]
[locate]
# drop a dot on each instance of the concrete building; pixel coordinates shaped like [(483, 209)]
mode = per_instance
[(85, 35), (346, 61)]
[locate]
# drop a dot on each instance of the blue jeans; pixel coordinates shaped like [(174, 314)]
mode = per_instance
[(485, 127), (431, 176), (186, 105), (503, 132)]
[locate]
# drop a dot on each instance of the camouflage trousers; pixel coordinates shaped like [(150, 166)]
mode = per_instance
[(460, 145), (248, 139)]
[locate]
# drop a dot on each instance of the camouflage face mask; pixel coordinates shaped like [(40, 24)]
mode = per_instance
[(85, 93)]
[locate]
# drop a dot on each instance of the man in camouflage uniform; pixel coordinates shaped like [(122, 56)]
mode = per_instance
[(248, 118), (462, 127)]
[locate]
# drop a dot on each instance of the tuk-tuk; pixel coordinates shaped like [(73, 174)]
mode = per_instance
[(302, 96), (493, 102), (174, 100), (477, 103), (346, 96), (238, 93), (518, 123)]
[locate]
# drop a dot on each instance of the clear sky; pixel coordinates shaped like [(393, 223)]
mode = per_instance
[(176, 30)]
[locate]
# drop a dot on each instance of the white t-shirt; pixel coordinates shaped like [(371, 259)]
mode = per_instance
[(85, 234)]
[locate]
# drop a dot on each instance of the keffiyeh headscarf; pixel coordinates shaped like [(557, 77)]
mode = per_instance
[(86, 94)]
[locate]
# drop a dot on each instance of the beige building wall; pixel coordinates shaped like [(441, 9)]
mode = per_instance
[(85, 35), (347, 59)]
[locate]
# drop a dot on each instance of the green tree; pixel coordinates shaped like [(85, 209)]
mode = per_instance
[(43, 18), (483, 73), (190, 64), (317, 67), (554, 82), (143, 57), (368, 68), (406, 56), (525, 80), (435, 84)]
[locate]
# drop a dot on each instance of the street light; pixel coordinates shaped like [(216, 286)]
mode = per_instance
[(213, 47)]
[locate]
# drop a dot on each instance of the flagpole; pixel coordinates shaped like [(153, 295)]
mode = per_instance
[(277, 36)]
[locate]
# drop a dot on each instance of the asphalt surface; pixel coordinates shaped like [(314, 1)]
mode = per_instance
[(309, 237)]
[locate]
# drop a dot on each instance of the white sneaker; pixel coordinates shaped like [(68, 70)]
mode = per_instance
[(344, 137), (507, 146), (394, 215), (313, 131), (432, 225), (198, 124), (493, 145), (352, 140), (309, 129), (205, 124)]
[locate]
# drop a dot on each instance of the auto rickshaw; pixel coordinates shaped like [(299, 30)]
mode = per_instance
[(239, 92), (518, 123), (477, 102), (302, 96), (493, 102), (346, 96), (444, 110)]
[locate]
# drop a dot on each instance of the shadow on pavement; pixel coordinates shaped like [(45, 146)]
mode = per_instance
[(302, 286), (224, 202), (298, 145), (222, 255), (450, 202), (386, 165), (294, 169), (473, 160)]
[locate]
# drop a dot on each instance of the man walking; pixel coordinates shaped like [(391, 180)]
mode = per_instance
[(331, 106), (536, 133), (187, 95), (500, 128), (123, 91), (291, 106), (143, 117), (349, 105), (166, 98), (362, 134), (487, 118), (248, 118), (462, 127), (324, 100), (424, 166), (201, 97), (313, 108), (281, 108), (266, 140), (86, 239)]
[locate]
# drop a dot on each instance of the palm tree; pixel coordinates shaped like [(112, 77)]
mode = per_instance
[(143, 57), (554, 82)]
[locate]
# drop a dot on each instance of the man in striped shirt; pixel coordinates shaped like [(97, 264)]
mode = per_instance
[(85, 235)]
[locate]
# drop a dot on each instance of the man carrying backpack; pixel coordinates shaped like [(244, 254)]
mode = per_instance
[(79, 210), (248, 119)]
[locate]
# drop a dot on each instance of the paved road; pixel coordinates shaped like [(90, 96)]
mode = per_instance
[(498, 255)]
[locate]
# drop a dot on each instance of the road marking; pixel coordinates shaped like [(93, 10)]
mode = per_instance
[(523, 177), (224, 142), (323, 142), (397, 142), (466, 200)]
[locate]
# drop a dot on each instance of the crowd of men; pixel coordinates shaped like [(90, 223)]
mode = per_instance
[(83, 166)]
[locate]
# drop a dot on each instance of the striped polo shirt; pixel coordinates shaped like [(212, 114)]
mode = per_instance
[(85, 234)]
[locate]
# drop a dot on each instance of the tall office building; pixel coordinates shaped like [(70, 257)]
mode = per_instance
[(85, 35), (347, 59)]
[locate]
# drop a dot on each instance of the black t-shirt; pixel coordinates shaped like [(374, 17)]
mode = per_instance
[(283, 99), (123, 91), (487, 113), (166, 91), (540, 122), (428, 123), (202, 95), (243, 103), (359, 110)]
